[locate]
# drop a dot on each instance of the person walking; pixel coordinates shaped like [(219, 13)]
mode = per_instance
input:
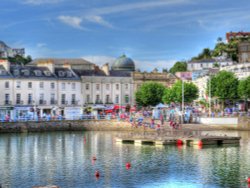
[(162, 119)]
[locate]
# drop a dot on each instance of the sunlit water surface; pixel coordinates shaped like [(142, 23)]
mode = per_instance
[(65, 159)]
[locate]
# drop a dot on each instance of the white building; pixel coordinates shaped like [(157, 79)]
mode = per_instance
[(6, 51), (28, 91), (62, 87), (201, 83), (107, 89), (207, 64), (242, 70)]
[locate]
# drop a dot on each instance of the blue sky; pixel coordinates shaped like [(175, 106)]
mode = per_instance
[(154, 33)]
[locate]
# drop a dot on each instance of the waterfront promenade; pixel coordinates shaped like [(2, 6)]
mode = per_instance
[(111, 125)]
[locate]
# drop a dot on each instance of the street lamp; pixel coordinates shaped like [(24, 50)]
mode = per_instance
[(182, 96), (209, 99)]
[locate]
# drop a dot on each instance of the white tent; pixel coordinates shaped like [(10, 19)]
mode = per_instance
[(99, 107), (160, 105)]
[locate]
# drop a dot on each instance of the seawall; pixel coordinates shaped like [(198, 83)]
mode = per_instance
[(109, 125), (68, 125)]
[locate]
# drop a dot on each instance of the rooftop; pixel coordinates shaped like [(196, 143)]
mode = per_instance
[(62, 61)]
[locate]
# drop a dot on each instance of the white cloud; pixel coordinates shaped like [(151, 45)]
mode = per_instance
[(150, 65), (98, 20), (76, 22), (142, 65), (41, 45), (137, 6), (39, 2), (100, 59), (71, 21), (94, 15)]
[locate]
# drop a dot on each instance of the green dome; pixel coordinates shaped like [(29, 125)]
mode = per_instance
[(123, 63)]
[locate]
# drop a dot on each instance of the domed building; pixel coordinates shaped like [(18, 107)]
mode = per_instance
[(123, 63)]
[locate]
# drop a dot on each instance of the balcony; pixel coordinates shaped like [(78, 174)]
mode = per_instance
[(63, 102), (30, 102), (108, 102), (7, 102), (74, 102), (98, 102), (42, 102), (53, 102), (19, 102)]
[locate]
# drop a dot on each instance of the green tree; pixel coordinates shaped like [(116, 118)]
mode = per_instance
[(20, 59), (179, 66), (244, 88), (216, 65), (165, 70), (205, 54), (230, 48), (174, 94), (224, 86), (149, 94)]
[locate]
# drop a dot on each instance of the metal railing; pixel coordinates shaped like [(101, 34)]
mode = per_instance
[(7, 102)]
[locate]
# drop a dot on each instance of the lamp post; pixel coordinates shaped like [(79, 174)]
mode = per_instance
[(121, 97), (209, 99), (182, 97)]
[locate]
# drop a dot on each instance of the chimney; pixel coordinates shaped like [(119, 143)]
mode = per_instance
[(6, 64), (67, 65), (49, 64), (105, 69)]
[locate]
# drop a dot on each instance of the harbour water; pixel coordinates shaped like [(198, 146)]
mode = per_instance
[(65, 159)]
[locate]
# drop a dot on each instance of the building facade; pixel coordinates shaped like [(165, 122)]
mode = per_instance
[(208, 64), (6, 51), (235, 35), (241, 71), (184, 75), (30, 91), (244, 52), (165, 78), (65, 87)]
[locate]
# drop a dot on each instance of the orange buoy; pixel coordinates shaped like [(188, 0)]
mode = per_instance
[(93, 158), (179, 142), (97, 174), (128, 165)]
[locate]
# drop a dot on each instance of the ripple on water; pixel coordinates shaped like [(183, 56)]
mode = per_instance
[(65, 159)]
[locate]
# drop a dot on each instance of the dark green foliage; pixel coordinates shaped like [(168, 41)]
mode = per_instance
[(205, 54), (20, 60), (174, 94), (178, 67), (244, 88), (224, 85), (149, 94)]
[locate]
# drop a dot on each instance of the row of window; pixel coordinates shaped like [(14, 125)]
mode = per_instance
[(63, 85), (41, 85), (63, 99), (107, 99), (41, 99), (87, 86)]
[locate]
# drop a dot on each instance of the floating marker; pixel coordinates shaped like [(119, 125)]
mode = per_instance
[(179, 142), (128, 165), (97, 174)]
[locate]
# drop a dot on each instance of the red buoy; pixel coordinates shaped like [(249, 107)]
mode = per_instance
[(97, 174), (179, 142), (248, 180), (128, 165), (199, 143)]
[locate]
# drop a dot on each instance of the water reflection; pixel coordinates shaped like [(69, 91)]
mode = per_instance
[(65, 159)]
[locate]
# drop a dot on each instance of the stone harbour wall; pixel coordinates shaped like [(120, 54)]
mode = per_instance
[(68, 125)]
